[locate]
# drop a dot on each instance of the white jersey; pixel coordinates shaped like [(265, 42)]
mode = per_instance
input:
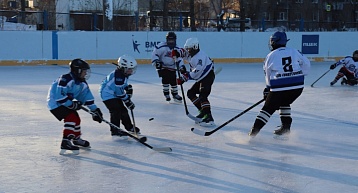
[(349, 64), (200, 65), (163, 53), (285, 69)]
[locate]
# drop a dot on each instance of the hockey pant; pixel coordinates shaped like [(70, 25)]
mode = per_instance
[(345, 72), (200, 91), (72, 121), (118, 113), (169, 81), (281, 101)]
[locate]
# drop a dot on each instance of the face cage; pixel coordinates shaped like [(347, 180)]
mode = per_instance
[(87, 74), (130, 71)]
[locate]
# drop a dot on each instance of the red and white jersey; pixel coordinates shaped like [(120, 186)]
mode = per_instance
[(285, 69), (163, 53), (349, 64)]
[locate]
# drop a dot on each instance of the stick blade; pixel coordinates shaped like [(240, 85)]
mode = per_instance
[(199, 132), (162, 149)]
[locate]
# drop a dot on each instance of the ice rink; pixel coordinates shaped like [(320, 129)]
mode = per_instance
[(321, 154)]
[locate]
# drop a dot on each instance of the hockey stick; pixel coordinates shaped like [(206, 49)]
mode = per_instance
[(140, 140), (182, 92), (207, 133), (320, 77), (135, 131)]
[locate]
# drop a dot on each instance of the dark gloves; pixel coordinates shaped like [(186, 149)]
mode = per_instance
[(178, 52), (182, 69), (97, 115), (266, 92), (76, 105), (183, 78), (333, 66), (175, 53), (130, 105), (129, 90)]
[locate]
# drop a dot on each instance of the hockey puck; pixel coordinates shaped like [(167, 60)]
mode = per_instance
[(151, 119)]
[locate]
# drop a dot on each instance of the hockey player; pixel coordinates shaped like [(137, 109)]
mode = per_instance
[(166, 66), (284, 70), (349, 70), (202, 71), (115, 91), (65, 97)]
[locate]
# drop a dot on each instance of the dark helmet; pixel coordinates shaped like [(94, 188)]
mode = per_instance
[(171, 39), (77, 66), (277, 40), (355, 55)]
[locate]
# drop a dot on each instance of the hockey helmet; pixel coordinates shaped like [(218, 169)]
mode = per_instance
[(192, 46), (277, 40), (127, 64), (355, 55), (80, 69), (171, 39)]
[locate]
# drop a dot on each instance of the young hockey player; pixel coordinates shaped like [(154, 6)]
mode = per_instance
[(65, 97), (202, 71), (349, 70), (284, 69), (115, 91), (166, 66)]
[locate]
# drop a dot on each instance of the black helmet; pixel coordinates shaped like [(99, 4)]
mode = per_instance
[(77, 66), (355, 55), (171, 39), (277, 40)]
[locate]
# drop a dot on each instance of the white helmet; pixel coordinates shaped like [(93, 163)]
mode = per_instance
[(128, 64), (192, 46), (192, 43)]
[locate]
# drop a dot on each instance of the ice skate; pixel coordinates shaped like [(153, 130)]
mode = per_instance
[(134, 131), (167, 98), (283, 130), (81, 143), (254, 132), (344, 81), (333, 82), (207, 121), (200, 117), (177, 98), (67, 148), (118, 132)]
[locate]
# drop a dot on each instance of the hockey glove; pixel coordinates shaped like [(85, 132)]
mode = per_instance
[(183, 78), (178, 52), (182, 69), (76, 105), (266, 92), (97, 115), (129, 90), (130, 105), (333, 66)]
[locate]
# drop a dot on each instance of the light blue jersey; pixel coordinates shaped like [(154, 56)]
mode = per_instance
[(65, 89), (114, 86)]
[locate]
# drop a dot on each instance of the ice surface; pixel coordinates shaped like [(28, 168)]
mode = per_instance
[(320, 155)]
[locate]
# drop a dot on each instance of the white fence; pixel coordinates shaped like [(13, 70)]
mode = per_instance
[(57, 47)]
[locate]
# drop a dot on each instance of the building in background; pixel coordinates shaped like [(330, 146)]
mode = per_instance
[(186, 15)]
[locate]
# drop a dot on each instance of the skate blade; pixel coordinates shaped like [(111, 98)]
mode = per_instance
[(69, 152), (283, 137), (210, 124), (177, 101)]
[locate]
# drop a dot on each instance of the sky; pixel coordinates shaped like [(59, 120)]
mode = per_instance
[(320, 154)]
